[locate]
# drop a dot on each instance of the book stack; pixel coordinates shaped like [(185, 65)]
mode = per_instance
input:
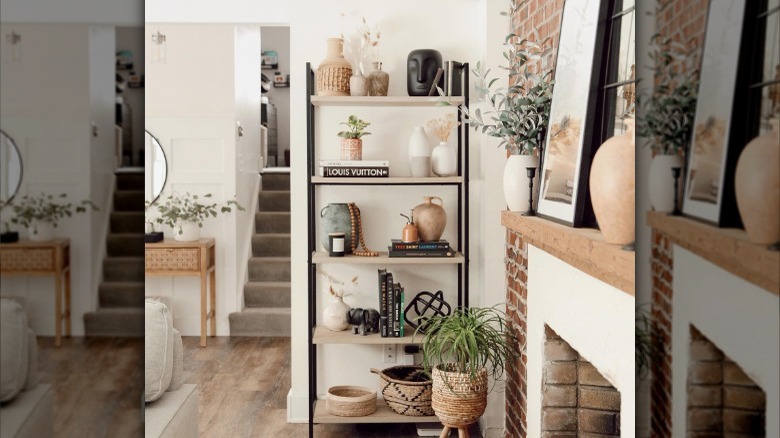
[(355, 168), (438, 248), (391, 306)]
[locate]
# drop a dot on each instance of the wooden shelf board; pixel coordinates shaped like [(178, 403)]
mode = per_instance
[(393, 180), (321, 257), (385, 100), (383, 414), (323, 335)]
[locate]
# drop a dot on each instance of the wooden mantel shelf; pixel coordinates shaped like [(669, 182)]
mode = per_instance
[(583, 248), (728, 248)]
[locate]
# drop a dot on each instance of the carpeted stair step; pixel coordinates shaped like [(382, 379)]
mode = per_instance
[(267, 294), (127, 222), (123, 269), (119, 322), (271, 245), (123, 245), (129, 200), (130, 181), (121, 294), (272, 222), (260, 322), (276, 200), (275, 181), (269, 269)]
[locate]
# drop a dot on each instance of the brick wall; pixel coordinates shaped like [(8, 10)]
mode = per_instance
[(661, 312), (516, 310)]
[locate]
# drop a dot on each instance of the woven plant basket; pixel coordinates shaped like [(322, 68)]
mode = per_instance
[(411, 398), (350, 401), (458, 400)]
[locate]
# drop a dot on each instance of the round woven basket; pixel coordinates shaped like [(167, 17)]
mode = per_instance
[(405, 397), (350, 401), (457, 399)]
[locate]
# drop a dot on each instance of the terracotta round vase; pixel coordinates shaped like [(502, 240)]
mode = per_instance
[(660, 182), (334, 315), (358, 85), (612, 187), (334, 71), (757, 186), (430, 219), (378, 81), (516, 190), (351, 149)]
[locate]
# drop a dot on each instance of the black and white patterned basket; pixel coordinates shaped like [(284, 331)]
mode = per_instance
[(406, 390)]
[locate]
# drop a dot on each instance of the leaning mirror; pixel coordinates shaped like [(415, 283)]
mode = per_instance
[(10, 168), (156, 168)]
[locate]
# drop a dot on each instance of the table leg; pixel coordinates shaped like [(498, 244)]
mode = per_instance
[(58, 309), (213, 312), (203, 309), (445, 432), (67, 303)]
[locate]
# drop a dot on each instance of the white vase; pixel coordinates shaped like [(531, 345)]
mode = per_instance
[(41, 231), (757, 187), (186, 231), (358, 85), (444, 160), (334, 315), (419, 147), (661, 182), (516, 191)]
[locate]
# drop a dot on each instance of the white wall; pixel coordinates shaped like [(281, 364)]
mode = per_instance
[(49, 113), (595, 318), (193, 102), (739, 318), (278, 38), (132, 38), (112, 12)]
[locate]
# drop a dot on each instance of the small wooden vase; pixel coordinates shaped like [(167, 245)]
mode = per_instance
[(409, 233), (430, 219)]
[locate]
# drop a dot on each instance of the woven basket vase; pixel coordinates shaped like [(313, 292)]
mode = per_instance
[(351, 149), (350, 401), (457, 399), (334, 71), (406, 398)]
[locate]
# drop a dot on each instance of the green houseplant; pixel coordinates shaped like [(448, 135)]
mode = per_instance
[(460, 351), (186, 213), (351, 138), (40, 214)]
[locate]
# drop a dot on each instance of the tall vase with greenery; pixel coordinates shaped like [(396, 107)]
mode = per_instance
[(461, 351), (518, 112), (667, 115), (186, 213)]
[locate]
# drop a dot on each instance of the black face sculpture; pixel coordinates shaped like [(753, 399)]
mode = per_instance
[(421, 67)]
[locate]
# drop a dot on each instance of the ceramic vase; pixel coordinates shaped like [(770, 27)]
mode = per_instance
[(334, 315), (430, 218), (41, 231), (444, 160), (358, 85), (334, 71), (612, 187), (351, 149), (516, 191), (419, 153), (335, 218), (661, 182), (190, 231), (757, 186), (378, 80)]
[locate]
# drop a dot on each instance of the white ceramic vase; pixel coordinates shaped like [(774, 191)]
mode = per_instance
[(334, 315), (190, 231), (661, 182), (358, 85), (444, 160), (419, 153), (516, 190), (41, 231)]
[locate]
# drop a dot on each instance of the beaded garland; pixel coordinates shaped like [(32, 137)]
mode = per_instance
[(357, 224)]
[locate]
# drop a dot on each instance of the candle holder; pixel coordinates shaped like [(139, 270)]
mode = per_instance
[(676, 175), (531, 172)]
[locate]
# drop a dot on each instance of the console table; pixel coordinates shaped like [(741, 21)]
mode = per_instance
[(47, 258), (173, 258)]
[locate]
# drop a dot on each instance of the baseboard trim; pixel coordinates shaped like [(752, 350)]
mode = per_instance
[(297, 407)]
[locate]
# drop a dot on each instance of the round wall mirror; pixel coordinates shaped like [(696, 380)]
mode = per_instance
[(155, 169), (10, 168)]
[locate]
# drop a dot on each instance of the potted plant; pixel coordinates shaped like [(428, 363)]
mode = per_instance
[(519, 113), (668, 114), (351, 138), (186, 214), (41, 214), (460, 351)]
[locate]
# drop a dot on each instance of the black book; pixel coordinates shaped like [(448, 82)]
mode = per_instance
[(398, 244), (397, 310), (389, 297), (418, 253), (383, 302)]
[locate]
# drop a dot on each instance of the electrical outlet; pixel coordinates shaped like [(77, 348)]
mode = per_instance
[(388, 353)]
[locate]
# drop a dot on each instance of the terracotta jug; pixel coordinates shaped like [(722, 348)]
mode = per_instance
[(757, 185), (334, 71), (612, 187), (430, 219)]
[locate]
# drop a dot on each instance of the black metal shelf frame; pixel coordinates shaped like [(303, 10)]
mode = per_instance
[(462, 217)]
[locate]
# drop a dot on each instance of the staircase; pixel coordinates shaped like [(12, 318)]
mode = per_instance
[(121, 294), (267, 293)]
